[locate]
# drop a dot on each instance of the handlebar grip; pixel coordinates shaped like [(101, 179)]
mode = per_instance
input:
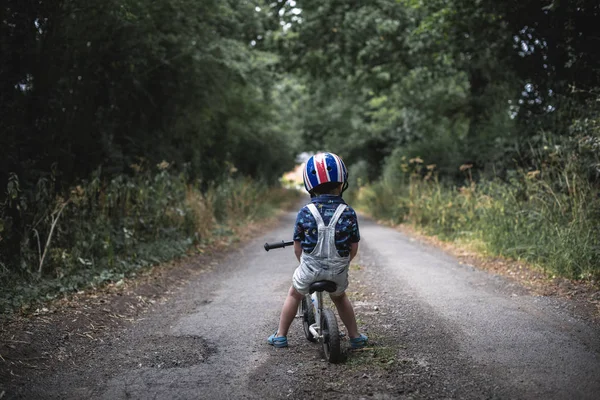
[(278, 245)]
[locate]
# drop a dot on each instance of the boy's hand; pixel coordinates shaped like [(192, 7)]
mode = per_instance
[(297, 249), (353, 250)]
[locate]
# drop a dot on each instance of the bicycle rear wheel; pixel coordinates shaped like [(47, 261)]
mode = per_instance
[(308, 317), (330, 337)]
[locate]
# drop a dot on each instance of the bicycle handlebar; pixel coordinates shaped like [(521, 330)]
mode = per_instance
[(278, 245)]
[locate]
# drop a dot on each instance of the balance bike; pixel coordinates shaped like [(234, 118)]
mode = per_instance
[(319, 322)]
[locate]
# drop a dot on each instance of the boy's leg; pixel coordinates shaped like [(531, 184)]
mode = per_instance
[(290, 307), (346, 312)]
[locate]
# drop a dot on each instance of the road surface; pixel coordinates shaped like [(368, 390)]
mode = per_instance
[(438, 329)]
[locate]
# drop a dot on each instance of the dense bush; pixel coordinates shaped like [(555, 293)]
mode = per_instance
[(88, 86), (94, 94), (109, 228)]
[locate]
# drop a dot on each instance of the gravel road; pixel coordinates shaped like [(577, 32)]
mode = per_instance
[(438, 329)]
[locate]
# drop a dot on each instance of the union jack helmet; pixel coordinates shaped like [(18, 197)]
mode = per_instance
[(323, 168)]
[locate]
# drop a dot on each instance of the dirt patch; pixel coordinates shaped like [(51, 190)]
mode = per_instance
[(181, 352), (64, 331), (583, 296)]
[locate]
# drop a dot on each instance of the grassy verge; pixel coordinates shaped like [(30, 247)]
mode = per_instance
[(552, 222), (108, 230)]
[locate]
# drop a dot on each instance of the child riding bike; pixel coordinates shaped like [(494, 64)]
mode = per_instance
[(326, 239)]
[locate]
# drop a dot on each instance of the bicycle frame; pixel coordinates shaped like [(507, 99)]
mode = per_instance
[(317, 304)]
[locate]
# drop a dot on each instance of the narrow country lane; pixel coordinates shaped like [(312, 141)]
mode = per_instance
[(438, 329)]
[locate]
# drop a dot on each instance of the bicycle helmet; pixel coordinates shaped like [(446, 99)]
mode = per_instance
[(324, 168)]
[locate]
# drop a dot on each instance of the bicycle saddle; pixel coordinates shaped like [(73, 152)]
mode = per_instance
[(320, 286)]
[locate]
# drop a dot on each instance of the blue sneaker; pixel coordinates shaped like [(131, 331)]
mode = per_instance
[(359, 342), (277, 341)]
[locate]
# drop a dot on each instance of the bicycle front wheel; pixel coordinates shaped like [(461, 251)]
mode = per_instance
[(330, 337)]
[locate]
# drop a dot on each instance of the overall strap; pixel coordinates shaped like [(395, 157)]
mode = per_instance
[(313, 210), (338, 213)]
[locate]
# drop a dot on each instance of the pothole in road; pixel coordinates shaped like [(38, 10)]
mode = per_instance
[(169, 352)]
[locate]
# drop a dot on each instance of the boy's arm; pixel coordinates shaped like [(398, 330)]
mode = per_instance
[(353, 250), (298, 249), (354, 235)]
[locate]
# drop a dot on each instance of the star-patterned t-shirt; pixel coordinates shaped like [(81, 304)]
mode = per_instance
[(346, 229)]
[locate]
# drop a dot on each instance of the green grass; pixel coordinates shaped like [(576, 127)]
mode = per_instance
[(528, 218), (355, 267), (374, 356)]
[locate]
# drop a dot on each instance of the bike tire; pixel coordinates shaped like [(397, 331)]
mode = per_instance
[(330, 337), (308, 318)]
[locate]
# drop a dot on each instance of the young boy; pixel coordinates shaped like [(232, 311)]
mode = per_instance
[(326, 239)]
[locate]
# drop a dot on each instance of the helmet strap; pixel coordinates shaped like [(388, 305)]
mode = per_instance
[(344, 187)]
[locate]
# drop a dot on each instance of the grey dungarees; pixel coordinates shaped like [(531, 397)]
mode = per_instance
[(324, 262)]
